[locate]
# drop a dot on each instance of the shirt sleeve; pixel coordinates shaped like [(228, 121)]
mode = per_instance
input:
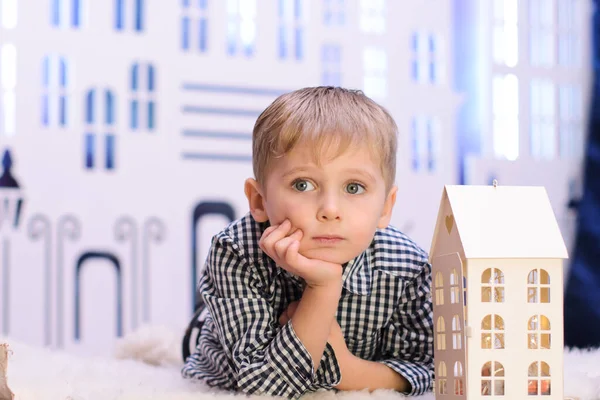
[(408, 340), (265, 358)]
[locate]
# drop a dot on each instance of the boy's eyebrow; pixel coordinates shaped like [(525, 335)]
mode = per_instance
[(362, 172)]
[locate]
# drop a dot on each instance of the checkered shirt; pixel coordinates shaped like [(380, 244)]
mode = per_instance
[(385, 314)]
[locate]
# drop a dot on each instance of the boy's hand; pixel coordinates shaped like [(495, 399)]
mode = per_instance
[(282, 246)]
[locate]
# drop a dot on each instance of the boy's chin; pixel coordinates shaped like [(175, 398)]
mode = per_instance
[(328, 255)]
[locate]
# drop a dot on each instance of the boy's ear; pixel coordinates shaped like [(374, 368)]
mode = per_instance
[(255, 200), (386, 213)]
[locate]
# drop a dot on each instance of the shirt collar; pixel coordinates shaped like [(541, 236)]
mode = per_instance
[(358, 274)]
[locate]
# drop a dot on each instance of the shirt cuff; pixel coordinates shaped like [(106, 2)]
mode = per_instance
[(418, 375), (291, 360), (329, 373)]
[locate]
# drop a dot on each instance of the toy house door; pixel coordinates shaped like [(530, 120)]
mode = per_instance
[(449, 324)]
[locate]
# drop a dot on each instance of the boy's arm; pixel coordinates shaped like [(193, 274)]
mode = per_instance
[(265, 359), (407, 346)]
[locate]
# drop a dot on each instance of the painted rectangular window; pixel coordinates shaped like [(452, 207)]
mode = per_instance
[(332, 65), (568, 36), (427, 64), (241, 27), (110, 151), (375, 72), (142, 111), (570, 112), (8, 83), (334, 12), (291, 29), (541, 33), (433, 143), (139, 15), (543, 143), (418, 146), (89, 150), (505, 112), (8, 13), (134, 19), (65, 13), (505, 38), (119, 14), (55, 90), (373, 16)]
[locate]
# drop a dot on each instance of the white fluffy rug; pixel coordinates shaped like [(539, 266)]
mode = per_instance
[(146, 366)]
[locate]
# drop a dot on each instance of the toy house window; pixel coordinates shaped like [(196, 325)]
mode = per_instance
[(137, 12), (492, 332), (492, 286), (454, 288), (194, 23), (538, 286), (8, 83), (441, 378), (439, 289), (241, 27), (142, 97), (55, 74), (99, 125), (291, 30), (65, 13), (492, 379), (459, 383), (441, 334), (539, 379), (456, 333), (334, 12), (538, 336)]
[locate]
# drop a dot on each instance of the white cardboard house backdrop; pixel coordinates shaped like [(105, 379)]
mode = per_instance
[(128, 123)]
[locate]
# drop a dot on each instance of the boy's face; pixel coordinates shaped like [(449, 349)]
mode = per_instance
[(337, 204)]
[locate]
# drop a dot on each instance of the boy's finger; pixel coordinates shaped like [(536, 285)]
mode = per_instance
[(297, 235), (277, 234), (291, 255), (282, 246)]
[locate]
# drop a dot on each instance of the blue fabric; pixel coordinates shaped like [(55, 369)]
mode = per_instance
[(582, 296)]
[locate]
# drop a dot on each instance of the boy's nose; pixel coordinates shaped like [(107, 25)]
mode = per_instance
[(329, 210)]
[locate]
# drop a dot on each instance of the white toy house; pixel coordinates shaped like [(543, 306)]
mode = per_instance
[(497, 290)]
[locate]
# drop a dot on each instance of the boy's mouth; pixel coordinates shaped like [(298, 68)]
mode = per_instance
[(328, 239)]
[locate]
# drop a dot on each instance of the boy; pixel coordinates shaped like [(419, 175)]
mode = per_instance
[(312, 289)]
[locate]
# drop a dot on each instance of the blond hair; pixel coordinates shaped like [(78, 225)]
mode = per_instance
[(325, 117)]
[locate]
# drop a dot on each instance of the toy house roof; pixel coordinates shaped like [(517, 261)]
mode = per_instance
[(501, 222)]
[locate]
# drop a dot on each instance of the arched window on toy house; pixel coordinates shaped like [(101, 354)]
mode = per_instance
[(126, 9), (454, 288), (492, 379), (538, 383), (492, 332), (194, 25), (439, 289), (456, 333), (441, 333), (441, 378), (55, 97), (100, 129), (538, 329), (492, 286), (459, 380), (142, 106), (538, 286), (66, 13)]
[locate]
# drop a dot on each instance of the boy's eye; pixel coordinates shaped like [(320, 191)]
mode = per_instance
[(355, 188), (302, 185)]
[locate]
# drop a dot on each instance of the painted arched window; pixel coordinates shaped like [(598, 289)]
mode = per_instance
[(143, 105), (55, 91), (456, 333), (441, 378), (99, 147), (459, 380), (454, 287)]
